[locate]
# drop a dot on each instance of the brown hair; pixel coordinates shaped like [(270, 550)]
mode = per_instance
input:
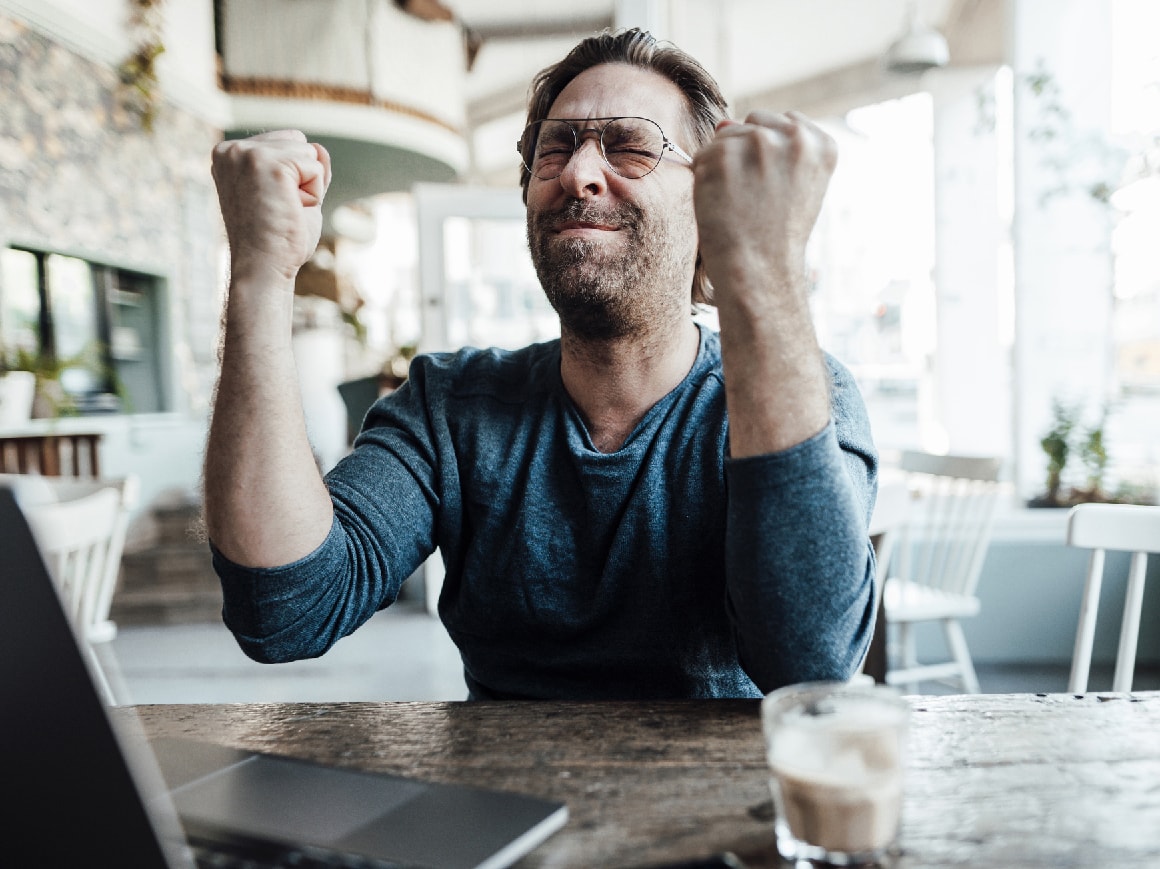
[(636, 47)]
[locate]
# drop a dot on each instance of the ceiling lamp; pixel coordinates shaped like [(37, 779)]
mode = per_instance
[(918, 49)]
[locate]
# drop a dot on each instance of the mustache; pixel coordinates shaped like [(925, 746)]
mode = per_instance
[(624, 215)]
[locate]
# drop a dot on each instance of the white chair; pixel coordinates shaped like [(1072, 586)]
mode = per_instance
[(81, 529), (890, 518), (1117, 527), (937, 558)]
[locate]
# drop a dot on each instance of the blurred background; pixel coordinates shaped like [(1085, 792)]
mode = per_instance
[(986, 262)]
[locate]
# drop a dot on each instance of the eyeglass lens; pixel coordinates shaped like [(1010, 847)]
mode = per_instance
[(631, 146)]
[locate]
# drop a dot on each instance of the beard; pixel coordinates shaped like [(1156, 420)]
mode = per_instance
[(601, 291)]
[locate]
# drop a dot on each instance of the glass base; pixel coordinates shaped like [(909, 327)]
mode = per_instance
[(803, 853)]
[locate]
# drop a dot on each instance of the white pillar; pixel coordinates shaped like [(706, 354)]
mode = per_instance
[(972, 365), (1061, 234)]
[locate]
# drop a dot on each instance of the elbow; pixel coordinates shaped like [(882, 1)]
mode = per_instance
[(265, 654), (266, 651), (270, 644)]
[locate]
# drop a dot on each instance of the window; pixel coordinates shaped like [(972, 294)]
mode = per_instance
[(871, 260), (493, 295), (97, 325), (1134, 409)]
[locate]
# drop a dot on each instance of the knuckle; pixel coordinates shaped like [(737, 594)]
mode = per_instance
[(830, 154), (765, 118), (223, 152)]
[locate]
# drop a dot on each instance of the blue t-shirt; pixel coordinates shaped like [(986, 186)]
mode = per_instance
[(662, 570)]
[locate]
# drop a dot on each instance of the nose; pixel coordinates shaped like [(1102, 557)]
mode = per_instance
[(584, 175)]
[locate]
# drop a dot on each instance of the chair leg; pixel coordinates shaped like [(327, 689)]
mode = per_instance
[(958, 645), (107, 672), (1081, 656), (1130, 624)]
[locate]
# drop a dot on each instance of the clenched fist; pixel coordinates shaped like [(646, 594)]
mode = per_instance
[(759, 189), (270, 188)]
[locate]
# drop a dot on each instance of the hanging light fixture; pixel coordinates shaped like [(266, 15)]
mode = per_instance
[(918, 49)]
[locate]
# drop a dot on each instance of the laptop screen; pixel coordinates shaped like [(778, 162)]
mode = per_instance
[(75, 798)]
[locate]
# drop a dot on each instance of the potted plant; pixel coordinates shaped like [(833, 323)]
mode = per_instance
[(17, 389), (1056, 445), (1094, 456), (1064, 441), (48, 397)]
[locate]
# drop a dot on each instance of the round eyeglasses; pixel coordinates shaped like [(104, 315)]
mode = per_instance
[(632, 147)]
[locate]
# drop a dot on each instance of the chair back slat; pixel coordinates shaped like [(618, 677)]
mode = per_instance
[(937, 560), (952, 520), (957, 467), (80, 526), (75, 537)]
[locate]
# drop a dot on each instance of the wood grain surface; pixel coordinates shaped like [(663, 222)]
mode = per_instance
[(992, 780)]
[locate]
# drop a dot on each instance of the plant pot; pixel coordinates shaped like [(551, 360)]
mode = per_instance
[(17, 390)]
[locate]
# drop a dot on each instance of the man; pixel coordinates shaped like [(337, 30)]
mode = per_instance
[(640, 509)]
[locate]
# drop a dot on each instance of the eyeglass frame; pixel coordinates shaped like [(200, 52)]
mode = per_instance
[(667, 144)]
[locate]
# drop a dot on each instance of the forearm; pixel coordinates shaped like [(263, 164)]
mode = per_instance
[(265, 503), (759, 187), (775, 377)]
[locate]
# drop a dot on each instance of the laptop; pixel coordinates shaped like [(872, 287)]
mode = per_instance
[(89, 789)]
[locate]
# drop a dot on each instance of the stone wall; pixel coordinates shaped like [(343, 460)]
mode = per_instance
[(79, 175)]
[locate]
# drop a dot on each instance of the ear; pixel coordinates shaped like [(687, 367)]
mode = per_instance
[(702, 290)]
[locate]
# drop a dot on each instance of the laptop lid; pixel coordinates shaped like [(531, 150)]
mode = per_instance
[(89, 771), (74, 781)]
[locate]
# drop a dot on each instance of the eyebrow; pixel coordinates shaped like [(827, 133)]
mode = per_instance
[(602, 118)]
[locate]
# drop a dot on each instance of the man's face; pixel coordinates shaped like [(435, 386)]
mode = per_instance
[(615, 255)]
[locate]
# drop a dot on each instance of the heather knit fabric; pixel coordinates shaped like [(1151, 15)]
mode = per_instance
[(663, 570)]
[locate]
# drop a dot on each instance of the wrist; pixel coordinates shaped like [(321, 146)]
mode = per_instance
[(257, 304), (770, 301), (748, 272), (256, 270)]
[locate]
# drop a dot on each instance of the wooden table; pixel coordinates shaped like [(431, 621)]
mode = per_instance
[(993, 780)]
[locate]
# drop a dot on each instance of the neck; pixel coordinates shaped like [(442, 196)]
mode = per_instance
[(615, 382)]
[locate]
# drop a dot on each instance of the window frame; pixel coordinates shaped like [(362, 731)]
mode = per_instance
[(110, 398)]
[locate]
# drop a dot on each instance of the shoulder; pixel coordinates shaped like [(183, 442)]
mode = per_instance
[(852, 420), (472, 371), (840, 376), (845, 397), (846, 404), (708, 362), (464, 390)]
